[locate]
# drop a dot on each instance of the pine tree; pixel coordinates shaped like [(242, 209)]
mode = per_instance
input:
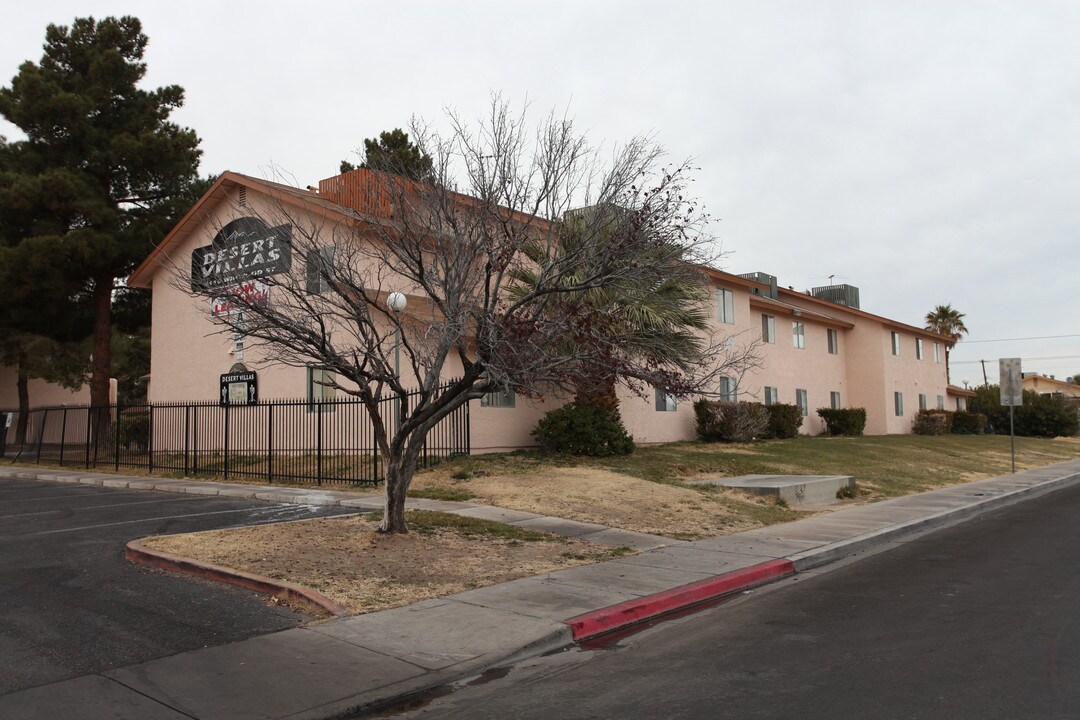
[(393, 152), (100, 174)]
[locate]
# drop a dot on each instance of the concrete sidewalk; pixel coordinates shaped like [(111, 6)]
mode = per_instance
[(340, 666)]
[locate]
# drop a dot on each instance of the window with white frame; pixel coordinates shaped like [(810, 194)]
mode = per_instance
[(895, 343), (834, 400), (798, 335), (940, 402), (918, 348), (937, 352), (898, 403), (319, 266), (499, 399), (665, 401), (834, 342), (802, 400), (728, 392), (768, 328), (320, 390), (725, 306), (771, 395), (922, 401)]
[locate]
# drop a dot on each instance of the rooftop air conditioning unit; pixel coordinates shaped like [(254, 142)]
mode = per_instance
[(764, 279), (847, 295)]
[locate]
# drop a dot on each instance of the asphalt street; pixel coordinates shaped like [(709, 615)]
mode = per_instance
[(975, 621), (71, 605)]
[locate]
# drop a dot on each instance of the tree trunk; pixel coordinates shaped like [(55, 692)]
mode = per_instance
[(598, 389), (23, 385), (948, 381), (400, 468), (101, 367)]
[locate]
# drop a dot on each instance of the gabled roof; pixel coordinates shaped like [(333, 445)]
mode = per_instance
[(217, 194)]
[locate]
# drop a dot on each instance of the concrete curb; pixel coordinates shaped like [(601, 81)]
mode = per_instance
[(632, 612), (136, 552)]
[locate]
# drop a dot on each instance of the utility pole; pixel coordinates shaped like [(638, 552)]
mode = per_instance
[(986, 383)]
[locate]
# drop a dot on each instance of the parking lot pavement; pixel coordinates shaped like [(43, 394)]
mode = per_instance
[(71, 605)]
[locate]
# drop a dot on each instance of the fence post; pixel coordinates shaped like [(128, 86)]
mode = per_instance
[(116, 438), (149, 438), (225, 459), (318, 442), (89, 420), (63, 436), (187, 435), (270, 443)]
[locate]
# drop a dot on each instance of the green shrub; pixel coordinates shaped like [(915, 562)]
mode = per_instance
[(968, 423), (583, 430), (784, 421), (133, 431), (1039, 416), (730, 422), (843, 421), (931, 422)]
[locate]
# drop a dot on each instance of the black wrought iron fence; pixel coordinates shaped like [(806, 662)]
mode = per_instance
[(329, 441)]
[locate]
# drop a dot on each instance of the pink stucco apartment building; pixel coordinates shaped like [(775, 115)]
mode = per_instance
[(819, 349)]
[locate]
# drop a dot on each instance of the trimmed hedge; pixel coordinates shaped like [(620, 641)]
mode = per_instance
[(968, 423), (730, 422), (932, 422), (843, 421), (583, 430), (1039, 416), (784, 421)]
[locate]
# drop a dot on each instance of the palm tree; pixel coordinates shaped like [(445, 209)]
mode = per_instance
[(659, 312), (946, 320)]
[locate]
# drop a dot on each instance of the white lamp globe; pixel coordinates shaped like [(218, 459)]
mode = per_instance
[(396, 301)]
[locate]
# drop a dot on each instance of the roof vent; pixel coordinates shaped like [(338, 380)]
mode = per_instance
[(847, 295), (764, 279), (243, 197)]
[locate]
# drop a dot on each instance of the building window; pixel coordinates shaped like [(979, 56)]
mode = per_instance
[(803, 403), (896, 343), (937, 352), (918, 348), (898, 403), (922, 401), (725, 306), (940, 402), (320, 269), (665, 402), (320, 389), (834, 400), (798, 335), (499, 398), (771, 396), (728, 392), (768, 328), (834, 342)]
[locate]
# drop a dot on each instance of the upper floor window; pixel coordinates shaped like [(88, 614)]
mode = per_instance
[(319, 264), (768, 328), (320, 390), (798, 335), (896, 343), (937, 352), (665, 401), (803, 402), (725, 306), (728, 392), (918, 348), (834, 342), (499, 398)]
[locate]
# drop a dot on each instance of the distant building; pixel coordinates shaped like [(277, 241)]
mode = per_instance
[(1044, 385), (820, 348)]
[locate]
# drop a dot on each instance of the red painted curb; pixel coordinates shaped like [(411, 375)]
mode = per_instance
[(137, 553), (632, 612)]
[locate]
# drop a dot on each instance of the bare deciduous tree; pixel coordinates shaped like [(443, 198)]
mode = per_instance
[(498, 297)]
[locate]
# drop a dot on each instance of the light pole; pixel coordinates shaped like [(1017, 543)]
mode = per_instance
[(396, 302)]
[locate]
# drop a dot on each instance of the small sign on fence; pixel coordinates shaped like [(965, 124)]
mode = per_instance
[(239, 388)]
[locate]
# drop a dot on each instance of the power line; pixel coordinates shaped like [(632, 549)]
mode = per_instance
[(1044, 337), (1050, 357)]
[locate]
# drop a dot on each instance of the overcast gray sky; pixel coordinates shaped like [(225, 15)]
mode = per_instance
[(925, 152)]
